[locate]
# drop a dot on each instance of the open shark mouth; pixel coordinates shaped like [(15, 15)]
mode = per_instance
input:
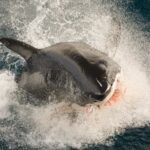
[(114, 96), (115, 93)]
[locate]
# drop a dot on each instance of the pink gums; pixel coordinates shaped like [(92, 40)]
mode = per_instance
[(118, 93)]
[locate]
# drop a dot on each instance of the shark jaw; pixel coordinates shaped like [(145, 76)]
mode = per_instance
[(114, 96)]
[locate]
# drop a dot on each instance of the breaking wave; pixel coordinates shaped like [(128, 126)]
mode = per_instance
[(45, 22)]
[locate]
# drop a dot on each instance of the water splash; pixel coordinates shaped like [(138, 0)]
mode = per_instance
[(90, 21)]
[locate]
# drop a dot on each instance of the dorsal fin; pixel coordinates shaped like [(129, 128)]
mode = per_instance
[(19, 47)]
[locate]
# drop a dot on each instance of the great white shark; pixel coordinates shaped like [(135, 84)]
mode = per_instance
[(93, 72)]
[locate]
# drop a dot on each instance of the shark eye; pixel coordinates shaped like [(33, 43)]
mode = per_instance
[(102, 63), (102, 66)]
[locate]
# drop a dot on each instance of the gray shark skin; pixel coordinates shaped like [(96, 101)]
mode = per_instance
[(48, 69)]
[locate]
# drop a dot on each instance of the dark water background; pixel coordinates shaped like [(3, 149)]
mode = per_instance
[(132, 138)]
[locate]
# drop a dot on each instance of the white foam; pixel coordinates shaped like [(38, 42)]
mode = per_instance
[(7, 87), (60, 130)]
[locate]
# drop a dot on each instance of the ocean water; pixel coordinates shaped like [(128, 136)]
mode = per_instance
[(119, 28)]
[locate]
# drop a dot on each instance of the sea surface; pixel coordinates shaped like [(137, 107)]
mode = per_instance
[(41, 23)]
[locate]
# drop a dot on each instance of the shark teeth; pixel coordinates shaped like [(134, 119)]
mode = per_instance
[(114, 95)]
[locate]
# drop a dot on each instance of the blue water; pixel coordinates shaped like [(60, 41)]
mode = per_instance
[(131, 138)]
